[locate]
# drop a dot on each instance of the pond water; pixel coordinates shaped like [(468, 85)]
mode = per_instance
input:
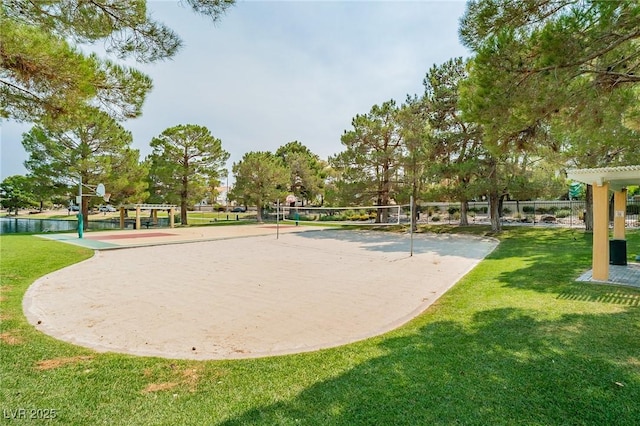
[(18, 225)]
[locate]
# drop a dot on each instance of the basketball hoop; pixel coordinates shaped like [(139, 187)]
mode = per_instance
[(100, 190), (106, 196)]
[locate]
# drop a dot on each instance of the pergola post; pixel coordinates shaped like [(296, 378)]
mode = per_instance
[(602, 179), (619, 213), (600, 231), (138, 218), (171, 224), (122, 217)]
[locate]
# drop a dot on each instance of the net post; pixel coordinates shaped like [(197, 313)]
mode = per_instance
[(411, 224), (277, 219)]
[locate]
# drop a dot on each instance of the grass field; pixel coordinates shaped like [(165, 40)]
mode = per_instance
[(517, 341)]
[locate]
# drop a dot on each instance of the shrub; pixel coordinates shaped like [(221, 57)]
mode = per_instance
[(562, 213), (527, 209), (542, 210), (435, 218), (633, 209)]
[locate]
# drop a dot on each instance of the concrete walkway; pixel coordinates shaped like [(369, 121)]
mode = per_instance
[(618, 275), (231, 297)]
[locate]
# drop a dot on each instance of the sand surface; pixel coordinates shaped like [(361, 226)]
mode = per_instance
[(249, 297)]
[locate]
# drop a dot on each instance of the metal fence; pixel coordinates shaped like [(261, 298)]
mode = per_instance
[(535, 213)]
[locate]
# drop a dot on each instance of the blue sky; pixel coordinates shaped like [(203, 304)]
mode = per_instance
[(271, 72)]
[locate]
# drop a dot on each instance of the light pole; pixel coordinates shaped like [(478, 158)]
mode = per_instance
[(79, 202)]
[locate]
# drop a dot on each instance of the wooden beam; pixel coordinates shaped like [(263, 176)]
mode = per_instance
[(600, 257), (619, 213)]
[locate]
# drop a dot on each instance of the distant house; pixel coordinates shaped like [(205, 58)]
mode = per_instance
[(221, 197)]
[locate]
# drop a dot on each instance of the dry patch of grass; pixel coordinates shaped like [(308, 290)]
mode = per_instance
[(187, 376), (157, 387), (10, 339), (50, 364)]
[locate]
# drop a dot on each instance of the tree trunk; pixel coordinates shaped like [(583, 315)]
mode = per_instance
[(84, 208), (494, 198), (259, 211), (494, 211), (588, 209), (501, 205), (464, 208), (183, 211)]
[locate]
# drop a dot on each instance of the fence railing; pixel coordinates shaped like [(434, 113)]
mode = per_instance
[(549, 213)]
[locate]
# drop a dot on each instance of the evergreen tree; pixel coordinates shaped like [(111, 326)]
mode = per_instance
[(16, 193), (371, 161), (307, 171), (260, 178), (44, 74), (96, 151), (184, 161)]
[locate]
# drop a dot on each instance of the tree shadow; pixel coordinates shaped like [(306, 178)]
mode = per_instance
[(467, 246), (553, 262), (505, 367)]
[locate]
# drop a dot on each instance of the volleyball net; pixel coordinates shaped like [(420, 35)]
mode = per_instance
[(360, 215)]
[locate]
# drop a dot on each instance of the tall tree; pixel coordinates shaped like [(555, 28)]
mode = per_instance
[(456, 150), (16, 193), (47, 190), (92, 152), (307, 171), (414, 166), (373, 155), (184, 160), (546, 63), (260, 178), (44, 73)]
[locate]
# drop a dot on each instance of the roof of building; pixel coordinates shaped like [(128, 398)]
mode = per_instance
[(618, 177)]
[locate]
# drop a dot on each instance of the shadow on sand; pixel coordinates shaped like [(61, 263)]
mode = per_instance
[(467, 246)]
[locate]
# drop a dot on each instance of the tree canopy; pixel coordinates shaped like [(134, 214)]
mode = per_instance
[(261, 178), (44, 72), (16, 192), (372, 156), (186, 161), (96, 151), (540, 58), (307, 171)]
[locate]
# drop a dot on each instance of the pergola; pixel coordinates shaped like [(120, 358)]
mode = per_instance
[(154, 213), (602, 180)]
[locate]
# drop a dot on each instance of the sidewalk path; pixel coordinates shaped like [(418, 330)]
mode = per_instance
[(247, 297)]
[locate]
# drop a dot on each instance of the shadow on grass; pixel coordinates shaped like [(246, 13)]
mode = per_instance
[(505, 367), (554, 260), (588, 292)]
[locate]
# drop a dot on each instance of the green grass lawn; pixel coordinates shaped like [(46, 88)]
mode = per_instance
[(517, 341)]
